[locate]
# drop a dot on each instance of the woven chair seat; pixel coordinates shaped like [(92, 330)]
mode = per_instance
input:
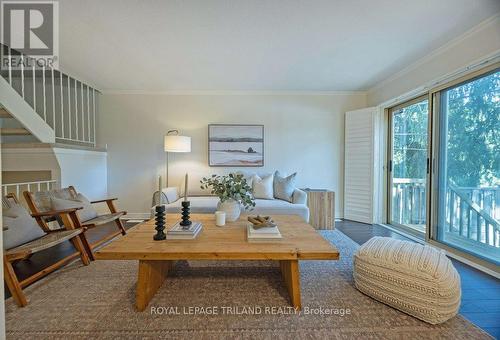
[(103, 219), (45, 242)]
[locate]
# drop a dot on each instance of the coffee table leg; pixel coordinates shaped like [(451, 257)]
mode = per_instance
[(291, 276), (151, 276)]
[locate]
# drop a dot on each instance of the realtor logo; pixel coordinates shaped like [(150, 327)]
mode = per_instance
[(30, 28)]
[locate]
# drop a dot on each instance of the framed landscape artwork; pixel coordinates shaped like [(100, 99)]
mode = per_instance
[(235, 145)]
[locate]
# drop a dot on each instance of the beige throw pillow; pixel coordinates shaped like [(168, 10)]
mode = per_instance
[(263, 187), (21, 227), (87, 213), (284, 186)]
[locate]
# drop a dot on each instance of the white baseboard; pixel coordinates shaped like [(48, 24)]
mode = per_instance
[(474, 265), (407, 235)]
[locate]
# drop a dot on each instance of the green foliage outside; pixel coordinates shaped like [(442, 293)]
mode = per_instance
[(474, 132), (473, 135), (410, 141)]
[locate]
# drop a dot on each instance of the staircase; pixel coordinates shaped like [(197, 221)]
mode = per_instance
[(48, 125), (44, 105), (19, 122)]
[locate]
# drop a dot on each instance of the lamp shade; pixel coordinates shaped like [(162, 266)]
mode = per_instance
[(174, 143)]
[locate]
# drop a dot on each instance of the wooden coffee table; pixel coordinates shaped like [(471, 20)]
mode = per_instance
[(300, 242)]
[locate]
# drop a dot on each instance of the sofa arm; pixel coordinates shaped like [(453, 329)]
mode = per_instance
[(299, 197), (168, 195)]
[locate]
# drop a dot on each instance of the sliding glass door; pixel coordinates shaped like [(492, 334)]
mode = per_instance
[(461, 168), (468, 173), (408, 126)]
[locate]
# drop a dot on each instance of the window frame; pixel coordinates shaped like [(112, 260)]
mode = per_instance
[(389, 177), (436, 163)]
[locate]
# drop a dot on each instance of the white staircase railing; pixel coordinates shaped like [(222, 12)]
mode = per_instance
[(19, 188), (66, 104)]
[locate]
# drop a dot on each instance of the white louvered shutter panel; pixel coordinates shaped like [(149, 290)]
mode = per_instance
[(359, 165)]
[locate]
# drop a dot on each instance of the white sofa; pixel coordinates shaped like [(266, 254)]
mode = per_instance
[(208, 204)]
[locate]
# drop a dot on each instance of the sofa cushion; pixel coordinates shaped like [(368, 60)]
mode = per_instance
[(21, 227), (284, 186), (208, 205), (198, 205), (279, 207), (416, 279), (263, 187)]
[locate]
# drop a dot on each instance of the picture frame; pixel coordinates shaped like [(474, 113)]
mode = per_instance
[(235, 145)]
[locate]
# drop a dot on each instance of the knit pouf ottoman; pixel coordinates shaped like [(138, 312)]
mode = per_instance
[(416, 279)]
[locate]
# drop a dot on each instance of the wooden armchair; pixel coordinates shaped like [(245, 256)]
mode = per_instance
[(39, 202), (49, 239)]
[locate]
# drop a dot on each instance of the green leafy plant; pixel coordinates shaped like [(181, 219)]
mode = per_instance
[(232, 186)]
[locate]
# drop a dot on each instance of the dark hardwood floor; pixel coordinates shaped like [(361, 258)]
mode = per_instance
[(480, 291)]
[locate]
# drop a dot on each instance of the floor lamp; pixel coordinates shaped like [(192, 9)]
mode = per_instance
[(175, 143)]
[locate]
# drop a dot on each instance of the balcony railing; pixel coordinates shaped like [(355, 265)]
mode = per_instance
[(472, 214), (408, 202), (66, 104)]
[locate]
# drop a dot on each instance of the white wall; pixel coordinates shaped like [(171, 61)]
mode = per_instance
[(30, 159), (478, 43), (85, 170), (303, 133)]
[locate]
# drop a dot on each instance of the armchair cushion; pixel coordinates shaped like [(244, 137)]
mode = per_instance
[(14, 210), (22, 228), (87, 213), (43, 199)]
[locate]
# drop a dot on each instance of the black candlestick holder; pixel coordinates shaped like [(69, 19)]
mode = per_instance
[(160, 223), (185, 223)]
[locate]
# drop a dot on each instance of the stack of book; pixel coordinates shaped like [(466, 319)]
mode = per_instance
[(177, 232), (262, 234)]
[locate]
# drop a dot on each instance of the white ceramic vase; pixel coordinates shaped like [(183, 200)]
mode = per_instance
[(231, 207)]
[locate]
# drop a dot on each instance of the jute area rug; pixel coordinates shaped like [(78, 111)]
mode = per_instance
[(208, 300)]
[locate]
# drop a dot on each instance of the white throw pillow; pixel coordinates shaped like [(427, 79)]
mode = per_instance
[(87, 213), (247, 175), (263, 187), (22, 228), (171, 194)]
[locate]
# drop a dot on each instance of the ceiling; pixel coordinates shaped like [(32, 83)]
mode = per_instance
[(255, 45)]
